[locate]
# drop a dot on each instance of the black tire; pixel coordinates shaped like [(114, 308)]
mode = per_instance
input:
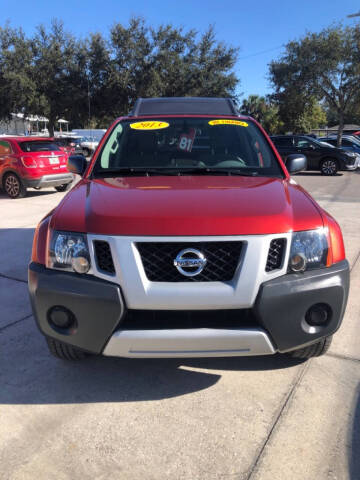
[(314, 350), (63, 188), (329, 166), (63, 351), (13, 186)]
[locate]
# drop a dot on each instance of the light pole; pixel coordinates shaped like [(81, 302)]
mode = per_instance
[(352, 15)]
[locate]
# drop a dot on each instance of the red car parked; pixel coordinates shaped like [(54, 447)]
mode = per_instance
[(32, 162), (187, 237)]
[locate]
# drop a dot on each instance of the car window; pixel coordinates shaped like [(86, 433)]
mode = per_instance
[(5, 148), (282, 141), (38, 146), (184, 142), (331, 141), (303, 143)]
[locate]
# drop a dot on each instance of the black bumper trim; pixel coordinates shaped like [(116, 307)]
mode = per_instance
[(282, 303), (97, 305)]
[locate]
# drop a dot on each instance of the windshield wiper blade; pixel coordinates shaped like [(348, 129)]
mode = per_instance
[(216, 171), (125, 171)]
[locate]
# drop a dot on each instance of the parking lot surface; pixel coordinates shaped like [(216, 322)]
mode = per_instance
[(235, 418)]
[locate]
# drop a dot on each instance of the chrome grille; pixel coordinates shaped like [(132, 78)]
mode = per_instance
[(158, 260)]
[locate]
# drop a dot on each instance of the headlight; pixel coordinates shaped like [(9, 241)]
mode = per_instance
[(69, 252), (308, 250), (350, 154)]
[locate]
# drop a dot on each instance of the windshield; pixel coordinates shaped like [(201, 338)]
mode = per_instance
[(187, 145), (38, 146)]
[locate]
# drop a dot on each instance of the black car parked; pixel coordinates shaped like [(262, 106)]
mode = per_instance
[(327, 159)]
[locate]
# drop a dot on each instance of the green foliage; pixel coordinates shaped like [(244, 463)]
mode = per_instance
[(322, 66), (264, 111), (56, 75)]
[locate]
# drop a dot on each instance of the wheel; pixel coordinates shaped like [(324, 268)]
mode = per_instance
[(329, 166), (63, 188), (63, 351), (13, 186), (86, 152), (314, 350)]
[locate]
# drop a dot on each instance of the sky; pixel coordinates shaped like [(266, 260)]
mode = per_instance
[(259, 29)]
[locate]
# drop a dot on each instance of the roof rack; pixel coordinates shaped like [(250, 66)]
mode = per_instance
[(183, 106)]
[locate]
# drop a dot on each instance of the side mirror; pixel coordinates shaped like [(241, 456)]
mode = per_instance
[(296, 163), (77, 164)]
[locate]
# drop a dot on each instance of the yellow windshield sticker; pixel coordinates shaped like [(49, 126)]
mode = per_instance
[(225, 121), (149, 125)]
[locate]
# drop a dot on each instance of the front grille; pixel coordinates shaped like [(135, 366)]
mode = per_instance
[(103, 256), (167, 319), (158, 260), (276, 254)]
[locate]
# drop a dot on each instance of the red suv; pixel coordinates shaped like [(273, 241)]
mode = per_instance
[(32, 162), (187, 237)]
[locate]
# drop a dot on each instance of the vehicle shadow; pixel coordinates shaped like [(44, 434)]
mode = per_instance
[(354, 440), (30, 194), (29, 375), (17, 243), (316, 174)]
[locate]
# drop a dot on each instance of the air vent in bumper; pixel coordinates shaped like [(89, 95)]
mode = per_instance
[(103, 257), (276, 254)]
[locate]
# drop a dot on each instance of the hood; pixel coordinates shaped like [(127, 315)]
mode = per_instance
[(186, 205)]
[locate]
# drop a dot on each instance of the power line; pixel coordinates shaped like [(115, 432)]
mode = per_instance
[(261, 53)]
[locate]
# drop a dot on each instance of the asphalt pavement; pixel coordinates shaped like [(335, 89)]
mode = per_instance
[(233, 418)]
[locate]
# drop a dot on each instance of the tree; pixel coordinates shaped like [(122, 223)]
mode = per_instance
[(90, 82), (264, 111), (166, 61), (59, 73), (17, 88), (324, 66)]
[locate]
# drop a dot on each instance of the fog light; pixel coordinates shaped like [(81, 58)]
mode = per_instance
[(318, 315), (80, 264), (297, 263), (61, 317)]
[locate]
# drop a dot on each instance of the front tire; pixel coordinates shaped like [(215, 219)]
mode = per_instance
[(13, 186), (63, 351), (63, 188), (329, 166), (315, 350)]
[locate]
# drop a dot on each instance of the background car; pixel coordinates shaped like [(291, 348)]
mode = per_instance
[(349, 143), (321, 157), (70, 145), (32, 162), (88, 145)]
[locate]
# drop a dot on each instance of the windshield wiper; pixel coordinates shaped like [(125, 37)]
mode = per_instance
[(125, 171), (215, 171)]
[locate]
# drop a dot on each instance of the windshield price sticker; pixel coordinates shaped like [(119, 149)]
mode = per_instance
[(149, 125), (186, 140), (225, 121)]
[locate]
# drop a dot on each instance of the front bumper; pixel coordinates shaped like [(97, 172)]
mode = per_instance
[(351, 163), (279, 316), (49, 180)]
